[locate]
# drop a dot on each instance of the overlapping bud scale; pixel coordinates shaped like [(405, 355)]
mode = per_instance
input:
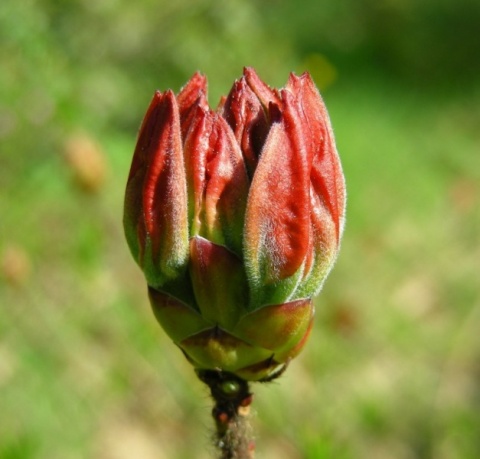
[(235, 217)]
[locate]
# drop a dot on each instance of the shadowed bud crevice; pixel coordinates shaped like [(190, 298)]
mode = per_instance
[(247, 117)]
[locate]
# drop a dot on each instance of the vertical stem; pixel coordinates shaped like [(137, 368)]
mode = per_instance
[(232, 406)]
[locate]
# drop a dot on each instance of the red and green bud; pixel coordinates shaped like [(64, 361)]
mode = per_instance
[(235, 216)]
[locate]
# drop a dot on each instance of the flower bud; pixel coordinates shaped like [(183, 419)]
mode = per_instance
[(155, 216), (235, 217)]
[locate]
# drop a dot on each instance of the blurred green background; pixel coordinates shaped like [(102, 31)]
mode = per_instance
[(392, 369)]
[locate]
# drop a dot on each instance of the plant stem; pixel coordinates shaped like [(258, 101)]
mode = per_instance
[(232, 406)]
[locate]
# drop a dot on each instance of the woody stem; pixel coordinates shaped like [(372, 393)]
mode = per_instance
[(230, 413)]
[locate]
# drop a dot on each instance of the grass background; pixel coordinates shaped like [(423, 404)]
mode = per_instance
[(392, 369)]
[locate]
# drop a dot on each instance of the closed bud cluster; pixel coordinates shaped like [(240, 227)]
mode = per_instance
[(235, 216)]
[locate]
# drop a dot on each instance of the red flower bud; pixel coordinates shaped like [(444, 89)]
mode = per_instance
[(155, 218), (236, 216)]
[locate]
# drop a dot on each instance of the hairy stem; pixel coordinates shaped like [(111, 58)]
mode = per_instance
[(232, 406)]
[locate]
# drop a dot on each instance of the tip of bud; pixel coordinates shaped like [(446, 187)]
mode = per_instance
[(264, 93)]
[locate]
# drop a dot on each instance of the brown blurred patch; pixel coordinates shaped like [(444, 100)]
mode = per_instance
[(15, 265), (87, 161), (344, 318), (464, 195)]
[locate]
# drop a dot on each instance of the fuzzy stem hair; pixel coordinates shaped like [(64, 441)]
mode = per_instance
[(232, 398)]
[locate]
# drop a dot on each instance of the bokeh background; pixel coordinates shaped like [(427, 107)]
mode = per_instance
[(392, 369)]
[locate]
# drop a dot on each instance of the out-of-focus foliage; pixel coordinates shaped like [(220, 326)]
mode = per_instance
[(95, 58), (392, 366), (427, 42)]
